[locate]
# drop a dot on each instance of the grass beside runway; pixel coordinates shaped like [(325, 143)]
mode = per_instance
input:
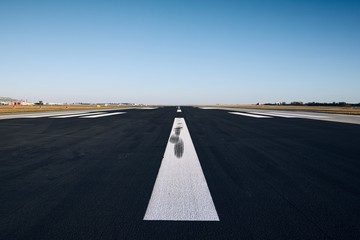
[(47, 108)]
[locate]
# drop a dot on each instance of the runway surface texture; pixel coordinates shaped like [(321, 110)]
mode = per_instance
[(191, 174)]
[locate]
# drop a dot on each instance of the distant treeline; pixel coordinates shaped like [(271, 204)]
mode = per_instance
[(333, 104)]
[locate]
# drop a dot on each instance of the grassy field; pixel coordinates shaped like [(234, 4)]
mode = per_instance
[(339, 110), (46, 108)]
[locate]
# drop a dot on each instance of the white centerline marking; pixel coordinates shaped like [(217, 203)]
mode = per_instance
[(249, 115), (78, 115), (180, 192), (103, 115)]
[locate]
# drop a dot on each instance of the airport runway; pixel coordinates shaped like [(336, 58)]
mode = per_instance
[(167, 173)]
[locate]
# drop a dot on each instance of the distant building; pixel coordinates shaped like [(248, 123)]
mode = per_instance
[(13, 102), (19, 103), (6, 100)]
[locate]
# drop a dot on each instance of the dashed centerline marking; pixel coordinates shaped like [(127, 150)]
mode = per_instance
[(180, 192)]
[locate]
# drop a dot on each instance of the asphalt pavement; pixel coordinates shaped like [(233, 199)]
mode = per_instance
[(83, 177)]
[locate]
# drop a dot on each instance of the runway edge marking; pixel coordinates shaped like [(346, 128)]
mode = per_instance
[(180, 192), (103, 115), (249, 115), (78, 115)]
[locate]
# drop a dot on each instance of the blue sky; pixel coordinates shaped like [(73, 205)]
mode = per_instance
[(180, 52)]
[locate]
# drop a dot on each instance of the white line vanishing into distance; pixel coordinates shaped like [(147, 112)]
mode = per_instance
[(275, 114), (43, 115), (304, 115), (147, 108), (78, 115), (208, 108), (103, 115), (180, 192), (249, 115), (289, 115)]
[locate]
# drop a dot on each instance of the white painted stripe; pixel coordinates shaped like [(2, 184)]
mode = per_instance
[(289, 115), (275, 114), (179, 110), (43, 115), (147, 108), (249, 115), (305, 115), (180, 192), (47, 114), (103, 115), (78, 115)]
